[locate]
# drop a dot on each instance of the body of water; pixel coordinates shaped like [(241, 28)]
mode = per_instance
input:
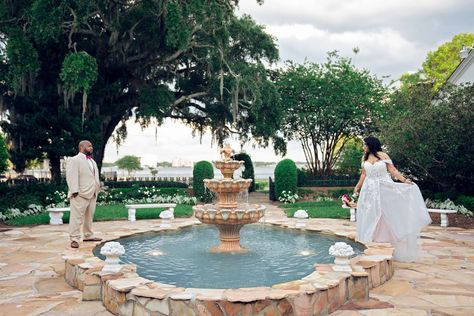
[(260, 172)]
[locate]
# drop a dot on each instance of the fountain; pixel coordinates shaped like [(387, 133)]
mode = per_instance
[(227, 214)]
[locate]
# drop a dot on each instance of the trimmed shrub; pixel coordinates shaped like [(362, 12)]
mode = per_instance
[(286, 177), (466, 201), (22, 195), (202, 170), (248, 172)]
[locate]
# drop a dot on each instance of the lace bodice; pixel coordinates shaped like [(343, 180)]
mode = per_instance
[(377, 170)]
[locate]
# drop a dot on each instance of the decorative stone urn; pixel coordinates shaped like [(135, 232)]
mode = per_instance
[(342, 252), (112, 250), (301, 216), (166, 217), (227, 214)]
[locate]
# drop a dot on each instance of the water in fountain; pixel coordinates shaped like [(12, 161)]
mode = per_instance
[(182, 258)]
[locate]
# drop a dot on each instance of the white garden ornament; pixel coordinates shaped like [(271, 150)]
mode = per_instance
[(166, 217), (341, 251), (112, 250), (301, 216)]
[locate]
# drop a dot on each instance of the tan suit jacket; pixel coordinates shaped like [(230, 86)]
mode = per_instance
[(81, 177)]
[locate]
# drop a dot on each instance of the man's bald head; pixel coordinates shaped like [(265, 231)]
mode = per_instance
[(85, 147)]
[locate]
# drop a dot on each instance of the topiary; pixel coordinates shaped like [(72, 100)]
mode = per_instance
[(286, 177), (248, 172), (202, 170)]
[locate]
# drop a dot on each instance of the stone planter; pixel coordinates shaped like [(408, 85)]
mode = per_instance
[(112, 251), (301, 218), (342, 252)]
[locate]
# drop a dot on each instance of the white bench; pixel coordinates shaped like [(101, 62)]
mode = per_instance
[(132, 208), (443, 214), (56, 214)]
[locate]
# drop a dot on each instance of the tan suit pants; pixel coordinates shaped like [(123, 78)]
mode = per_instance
[(82, 213)]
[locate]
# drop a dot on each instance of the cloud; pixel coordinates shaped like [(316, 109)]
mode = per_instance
[(349, 14), (394, 36), (383, 52)]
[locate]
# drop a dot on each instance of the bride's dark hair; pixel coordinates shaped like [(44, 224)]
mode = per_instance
[(374, 145)]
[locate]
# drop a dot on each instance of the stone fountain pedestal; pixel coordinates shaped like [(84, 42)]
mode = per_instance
[(229, 236), (227, 215)]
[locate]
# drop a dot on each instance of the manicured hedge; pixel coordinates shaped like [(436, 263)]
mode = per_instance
[(248, 172), (467, 201), (21, 195), (202, 170), (286, 177)]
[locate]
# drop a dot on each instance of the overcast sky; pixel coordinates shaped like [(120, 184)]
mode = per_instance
[(393, 36)]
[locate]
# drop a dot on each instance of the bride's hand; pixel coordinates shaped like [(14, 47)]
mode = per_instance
[(408, 181)]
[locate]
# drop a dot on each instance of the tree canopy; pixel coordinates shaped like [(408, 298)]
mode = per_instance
[(429, 136), (129, 163), (324, 105), (441, 63), (350, 160), (77, 69)]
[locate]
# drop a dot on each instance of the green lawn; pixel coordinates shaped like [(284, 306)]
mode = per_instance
[(324, 209), (104, 213)]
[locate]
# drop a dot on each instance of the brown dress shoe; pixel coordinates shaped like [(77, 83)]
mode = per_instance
[(93, 239), (74, 244)]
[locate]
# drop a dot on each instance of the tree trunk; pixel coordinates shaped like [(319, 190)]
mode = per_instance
[(102, 137), (55, 168)]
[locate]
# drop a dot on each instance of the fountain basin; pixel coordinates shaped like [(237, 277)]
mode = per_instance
[(228, 222), (323, 291), (275, 255), (227, 168), (227, 185), (211, 214)]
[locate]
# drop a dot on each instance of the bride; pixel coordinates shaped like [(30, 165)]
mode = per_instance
[(388, 211)]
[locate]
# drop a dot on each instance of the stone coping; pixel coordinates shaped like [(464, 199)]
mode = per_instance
[(320, 293)]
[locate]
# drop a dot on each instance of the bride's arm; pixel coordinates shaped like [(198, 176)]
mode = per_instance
[(393, 171), (361, 181)]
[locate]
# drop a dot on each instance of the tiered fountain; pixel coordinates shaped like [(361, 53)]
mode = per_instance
[(227, 214)]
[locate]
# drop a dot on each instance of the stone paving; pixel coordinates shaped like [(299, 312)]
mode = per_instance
[(440, 283)]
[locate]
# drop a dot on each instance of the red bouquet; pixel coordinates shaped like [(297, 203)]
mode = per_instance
[(348, 201)]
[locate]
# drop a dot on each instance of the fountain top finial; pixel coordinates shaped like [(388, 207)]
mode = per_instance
[(227, 152)]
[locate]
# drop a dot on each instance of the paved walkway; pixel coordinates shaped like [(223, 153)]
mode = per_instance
[(440, 283)]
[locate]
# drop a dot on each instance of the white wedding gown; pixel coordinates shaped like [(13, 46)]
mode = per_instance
[(390, 212)]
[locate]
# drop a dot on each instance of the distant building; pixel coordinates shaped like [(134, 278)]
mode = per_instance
[(180, 163), (464, 72)]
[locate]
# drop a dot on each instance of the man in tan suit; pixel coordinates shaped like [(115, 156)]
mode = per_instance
[(82, 178)]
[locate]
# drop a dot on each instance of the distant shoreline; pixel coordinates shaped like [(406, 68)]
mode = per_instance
[(260, 172)]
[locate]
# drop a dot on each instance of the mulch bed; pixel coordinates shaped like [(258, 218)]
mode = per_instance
[(455, 220)]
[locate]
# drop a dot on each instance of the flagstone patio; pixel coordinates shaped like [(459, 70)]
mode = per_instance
[(441, 283)]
